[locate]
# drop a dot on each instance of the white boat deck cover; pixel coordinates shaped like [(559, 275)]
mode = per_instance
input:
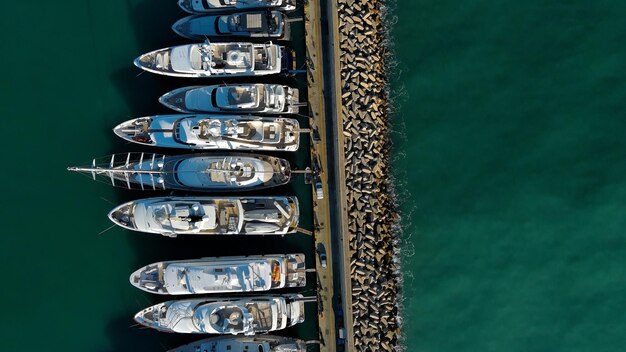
[(181, 278)]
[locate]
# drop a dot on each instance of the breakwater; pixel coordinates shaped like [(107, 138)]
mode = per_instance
[(371, 207)]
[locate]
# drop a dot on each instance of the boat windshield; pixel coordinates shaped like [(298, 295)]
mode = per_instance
[(264, 56)]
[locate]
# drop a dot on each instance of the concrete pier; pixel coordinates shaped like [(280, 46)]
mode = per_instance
[(348, 95), (319, 160)]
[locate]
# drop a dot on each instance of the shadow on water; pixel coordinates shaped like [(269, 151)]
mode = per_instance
[(141, 90)]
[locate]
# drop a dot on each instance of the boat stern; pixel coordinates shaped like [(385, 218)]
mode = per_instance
[(282, 171), (294, 213), (301, 346), (295, 309), (295, 270), (292, 105), (287, 59), (289, 5), (291, 135)]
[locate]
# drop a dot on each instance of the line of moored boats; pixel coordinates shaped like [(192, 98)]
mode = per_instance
[(232, 120)]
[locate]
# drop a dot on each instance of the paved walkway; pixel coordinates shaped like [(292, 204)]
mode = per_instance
[(325, 287), (334, 281)]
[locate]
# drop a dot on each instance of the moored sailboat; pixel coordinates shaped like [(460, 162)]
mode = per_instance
[(190, 172)]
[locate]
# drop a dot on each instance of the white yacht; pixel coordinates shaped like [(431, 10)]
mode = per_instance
[(213, 132), (216, 60), (252, 25), (191, 172), (172, 216), (260, 343), (222, 275), (256, 98), (248, 315), (210, 6)]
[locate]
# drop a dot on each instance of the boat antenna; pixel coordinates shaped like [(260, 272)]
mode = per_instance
[(293, 19), (302, 172), (304, 231), (303, 66), (108, 201), (107, 229), (309, 299), (303, 115)]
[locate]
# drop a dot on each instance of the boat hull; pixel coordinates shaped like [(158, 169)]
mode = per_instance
[(191, 172), (177, 100), (245, 344), (222, 275), (189, 315), (161, 62), (285, 213), (192, 132), (205, 7), (200, 27)]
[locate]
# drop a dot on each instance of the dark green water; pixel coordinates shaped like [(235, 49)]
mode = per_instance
[(67, 78), (515, 150)]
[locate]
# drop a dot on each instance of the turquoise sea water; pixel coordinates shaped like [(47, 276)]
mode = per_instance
[(514, 140), (512, 126)]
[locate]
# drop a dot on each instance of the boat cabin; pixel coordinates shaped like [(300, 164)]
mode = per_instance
[(259, 22), (192, 217), (209, 131), (240, 97)]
